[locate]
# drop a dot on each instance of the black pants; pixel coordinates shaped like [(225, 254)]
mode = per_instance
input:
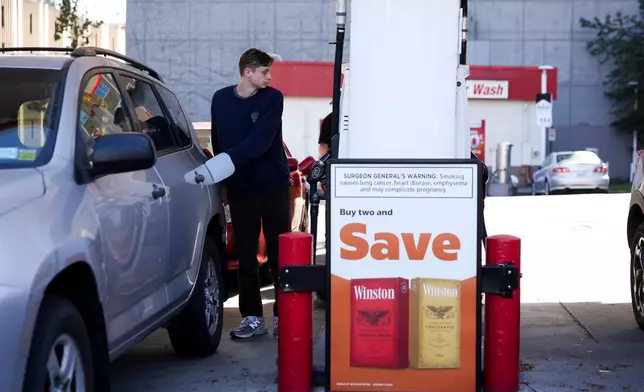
[(272, 212)]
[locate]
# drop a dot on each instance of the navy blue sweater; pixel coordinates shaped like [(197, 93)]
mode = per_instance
[(249, 129)]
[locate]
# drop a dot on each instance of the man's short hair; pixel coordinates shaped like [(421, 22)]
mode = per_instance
[(253, 59)]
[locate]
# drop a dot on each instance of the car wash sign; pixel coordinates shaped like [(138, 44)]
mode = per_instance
[(487, 89)]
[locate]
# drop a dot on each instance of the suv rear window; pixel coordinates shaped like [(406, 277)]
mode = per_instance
[(28, 115)]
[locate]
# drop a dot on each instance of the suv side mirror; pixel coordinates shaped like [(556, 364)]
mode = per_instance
[(293, 164), (121, 153)]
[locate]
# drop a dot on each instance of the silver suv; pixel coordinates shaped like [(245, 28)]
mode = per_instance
[(115, 243)]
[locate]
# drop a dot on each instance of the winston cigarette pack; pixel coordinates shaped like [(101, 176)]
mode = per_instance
[(379, 323), (435, 338)]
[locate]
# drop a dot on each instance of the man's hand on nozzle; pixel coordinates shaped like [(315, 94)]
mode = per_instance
[(325, 157)]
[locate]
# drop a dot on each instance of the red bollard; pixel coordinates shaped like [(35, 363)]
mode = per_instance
[(295, 344), (502, 322)]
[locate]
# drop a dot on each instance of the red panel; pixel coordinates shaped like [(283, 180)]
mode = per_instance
[(315, 79), (303, 79), (477, 135)]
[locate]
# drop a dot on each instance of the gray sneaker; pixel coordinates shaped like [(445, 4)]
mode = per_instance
[(275, 326), (249, 327)]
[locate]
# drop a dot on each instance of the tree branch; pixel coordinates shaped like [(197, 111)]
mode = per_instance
[(618, 45), (72, 23)]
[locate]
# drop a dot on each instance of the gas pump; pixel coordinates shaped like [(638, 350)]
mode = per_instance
[(317, 172)]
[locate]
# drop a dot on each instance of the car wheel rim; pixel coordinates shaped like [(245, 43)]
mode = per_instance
[(638, 278), (65, 368), (211, 288), (547, 190)]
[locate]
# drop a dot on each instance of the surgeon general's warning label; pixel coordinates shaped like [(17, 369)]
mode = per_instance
[(404, 182)]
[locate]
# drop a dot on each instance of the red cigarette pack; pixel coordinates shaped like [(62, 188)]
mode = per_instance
[(379, 323)]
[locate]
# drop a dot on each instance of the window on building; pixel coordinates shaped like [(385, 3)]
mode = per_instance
[(2, 16), (31, 23)]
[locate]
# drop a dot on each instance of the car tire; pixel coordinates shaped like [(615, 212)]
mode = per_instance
[(196, 331), (60, 331), (637, 275), (546, 188)]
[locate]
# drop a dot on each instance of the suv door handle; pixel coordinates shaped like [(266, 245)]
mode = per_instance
[(158, 192)]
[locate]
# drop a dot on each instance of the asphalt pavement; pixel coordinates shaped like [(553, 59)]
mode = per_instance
[(577, 326)]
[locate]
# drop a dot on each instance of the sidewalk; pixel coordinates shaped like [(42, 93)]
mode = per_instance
[(581, 347), (590, 347)]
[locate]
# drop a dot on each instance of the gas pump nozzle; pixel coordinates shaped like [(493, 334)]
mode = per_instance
[(216, 169), (317, 171)]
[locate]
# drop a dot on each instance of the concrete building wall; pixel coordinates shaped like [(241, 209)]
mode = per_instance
[(533, 32), (195, 44)]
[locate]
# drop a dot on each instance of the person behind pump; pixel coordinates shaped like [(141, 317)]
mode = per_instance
[(324, 140), (247, 125)]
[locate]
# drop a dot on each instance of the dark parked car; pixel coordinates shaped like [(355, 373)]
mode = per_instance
[(635, 237)]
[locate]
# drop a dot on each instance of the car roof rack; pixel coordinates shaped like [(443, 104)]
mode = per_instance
[(94, 51), (85, 51), (35, 49)]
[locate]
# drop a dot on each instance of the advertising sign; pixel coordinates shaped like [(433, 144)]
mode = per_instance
[(404, 257), (477, 135)]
